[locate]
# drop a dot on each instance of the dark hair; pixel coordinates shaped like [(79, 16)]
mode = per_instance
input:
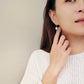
[(48, 31)]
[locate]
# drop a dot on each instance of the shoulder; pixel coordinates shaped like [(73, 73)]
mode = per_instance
[(36, 67), (40, 51), (40, 58), (39, 54)]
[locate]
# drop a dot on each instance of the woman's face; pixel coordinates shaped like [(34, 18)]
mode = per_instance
[(67, 13)]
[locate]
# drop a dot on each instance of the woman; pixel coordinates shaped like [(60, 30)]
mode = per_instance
[(60, 59)]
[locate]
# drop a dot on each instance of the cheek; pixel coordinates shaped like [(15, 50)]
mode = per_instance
[(65, 20), (65, 16)]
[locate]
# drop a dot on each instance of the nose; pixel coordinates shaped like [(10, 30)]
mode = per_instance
[(80, 6)]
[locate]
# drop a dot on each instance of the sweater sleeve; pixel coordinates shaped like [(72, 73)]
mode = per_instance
[(31, 75)]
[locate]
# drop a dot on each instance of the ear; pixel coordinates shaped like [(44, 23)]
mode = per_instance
[(53, 16)]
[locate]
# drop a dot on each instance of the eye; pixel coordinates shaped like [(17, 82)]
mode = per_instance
[(69, 0)]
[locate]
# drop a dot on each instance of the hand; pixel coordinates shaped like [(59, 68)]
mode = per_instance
[(59, 53)]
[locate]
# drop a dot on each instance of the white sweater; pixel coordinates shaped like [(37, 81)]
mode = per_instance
[(72, 73)]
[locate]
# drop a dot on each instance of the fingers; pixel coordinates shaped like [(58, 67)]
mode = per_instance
[(57, 35), (66, 43), (68, 50), (61, 41)]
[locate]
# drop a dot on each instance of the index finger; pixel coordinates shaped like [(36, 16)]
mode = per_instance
[(56, 37)]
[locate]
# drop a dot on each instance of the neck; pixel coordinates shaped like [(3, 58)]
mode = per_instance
[(76, 43)]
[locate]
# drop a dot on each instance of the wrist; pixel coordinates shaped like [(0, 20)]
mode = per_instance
[(54, 72)]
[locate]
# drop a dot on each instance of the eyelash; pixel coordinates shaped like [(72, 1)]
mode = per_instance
[(67, 1)]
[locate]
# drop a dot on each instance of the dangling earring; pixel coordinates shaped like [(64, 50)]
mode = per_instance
[(56, 27)]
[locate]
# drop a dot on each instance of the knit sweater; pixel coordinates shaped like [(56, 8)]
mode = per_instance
[(72, 73)]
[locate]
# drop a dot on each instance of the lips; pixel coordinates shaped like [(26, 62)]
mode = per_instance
[(80, 20)]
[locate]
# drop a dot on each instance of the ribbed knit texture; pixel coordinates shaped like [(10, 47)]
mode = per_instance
[(72, 73)]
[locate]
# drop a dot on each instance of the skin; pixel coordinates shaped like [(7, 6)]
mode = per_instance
[(65, 15), (58, 58), (72, 40)]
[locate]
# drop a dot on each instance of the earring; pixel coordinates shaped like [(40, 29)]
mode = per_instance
[(56, 28)]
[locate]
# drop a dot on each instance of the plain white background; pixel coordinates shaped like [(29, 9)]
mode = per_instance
[(21, 24)]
